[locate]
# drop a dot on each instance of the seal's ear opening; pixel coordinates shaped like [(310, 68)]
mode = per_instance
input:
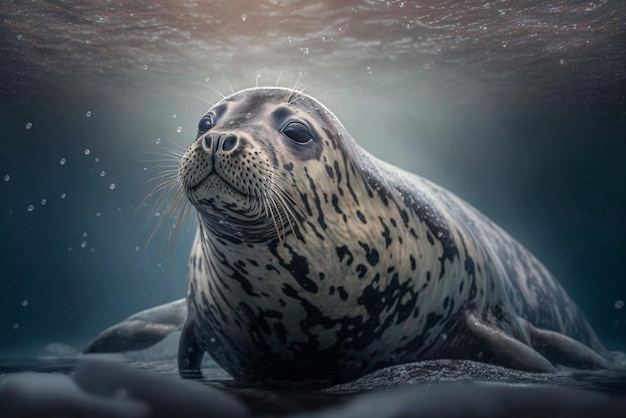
[(298, 132)]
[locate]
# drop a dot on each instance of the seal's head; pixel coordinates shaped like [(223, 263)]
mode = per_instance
[(242, 171)]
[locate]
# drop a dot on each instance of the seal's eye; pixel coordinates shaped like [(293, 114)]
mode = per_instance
[(205, 124), (298, 132)]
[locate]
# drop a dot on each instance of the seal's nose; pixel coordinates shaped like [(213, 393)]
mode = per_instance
[(228, 142), (214, 143)]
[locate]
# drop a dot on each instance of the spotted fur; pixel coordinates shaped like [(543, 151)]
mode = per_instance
[(317, 260)]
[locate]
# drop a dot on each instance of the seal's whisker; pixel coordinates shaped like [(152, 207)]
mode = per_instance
[(293, 89), (205, 101), (289, 200), (270, 214), (280, 74), (222, 95), (164, 215), (203, 240), (272, 200), (230, 86), (287, 211), (163, 178)]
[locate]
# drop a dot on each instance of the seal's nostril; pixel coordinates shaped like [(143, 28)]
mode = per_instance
[(229, 143), (207, 142)]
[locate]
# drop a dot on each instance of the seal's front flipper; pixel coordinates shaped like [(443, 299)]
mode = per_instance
[(564, 350), (507, 350), (140, 330), (189, 352)]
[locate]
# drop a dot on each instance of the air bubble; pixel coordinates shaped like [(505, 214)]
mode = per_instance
[(83, 244), (173, 115), (29, 126), (369, 70), (137, 248), (16, 325), (88, 113), (179, 129), (619, 304), (84, 235), (25, 303), (62, 161), (444, 336), (244, 17), (145, 67), (112, 186), (158, 141), (87, 152), (7, 178), (30, 208), (63, 195), (43, 202), (98, 214), (102, 173)]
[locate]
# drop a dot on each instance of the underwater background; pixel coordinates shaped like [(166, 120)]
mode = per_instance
[(518, 108)]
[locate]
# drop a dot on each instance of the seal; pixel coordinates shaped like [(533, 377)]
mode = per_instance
[(316, 260)]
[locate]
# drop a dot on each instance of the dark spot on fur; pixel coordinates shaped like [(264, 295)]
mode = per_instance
[(342, 252), (371, 255), (361, 270)]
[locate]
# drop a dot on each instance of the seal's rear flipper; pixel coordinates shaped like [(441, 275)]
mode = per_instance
[(564, 350), (140, 330), (507, 350)]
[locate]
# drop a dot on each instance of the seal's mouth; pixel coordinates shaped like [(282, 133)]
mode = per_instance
[(221, 182)]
